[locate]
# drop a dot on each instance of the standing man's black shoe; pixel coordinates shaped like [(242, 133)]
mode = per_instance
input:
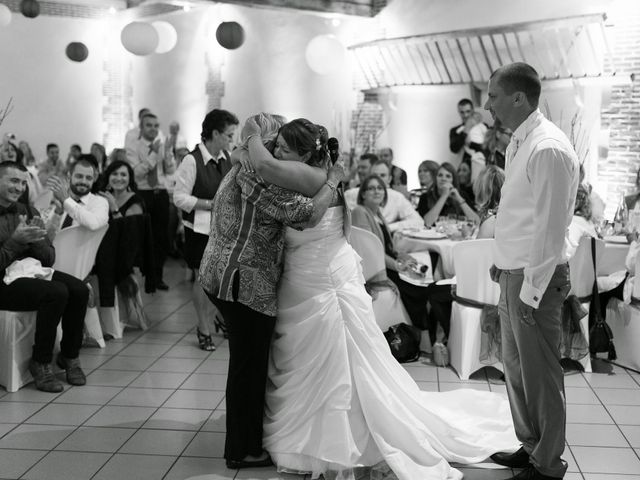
[(518, 459), (530, 473)]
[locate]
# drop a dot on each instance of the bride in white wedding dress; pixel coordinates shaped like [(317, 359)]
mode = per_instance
[(336, 398)]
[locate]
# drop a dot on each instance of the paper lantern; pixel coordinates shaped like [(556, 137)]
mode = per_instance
[(77, 52), (139, 38), (30, 8), (5, 15), (325, 54), (167, 36), (230, 35)]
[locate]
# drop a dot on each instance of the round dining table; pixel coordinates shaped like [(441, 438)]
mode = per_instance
[(405, 242), (613, 260)]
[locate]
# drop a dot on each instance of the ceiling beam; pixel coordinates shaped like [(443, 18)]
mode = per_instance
[(362, 8)]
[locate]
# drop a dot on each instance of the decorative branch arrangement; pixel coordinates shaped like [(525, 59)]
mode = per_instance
[(4, 112)]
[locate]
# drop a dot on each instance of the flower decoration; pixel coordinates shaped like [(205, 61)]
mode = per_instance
[(318, 144)]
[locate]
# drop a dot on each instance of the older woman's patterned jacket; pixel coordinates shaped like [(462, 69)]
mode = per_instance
[(243, 258)]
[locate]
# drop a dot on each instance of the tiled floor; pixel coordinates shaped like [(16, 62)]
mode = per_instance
[(154, 409)]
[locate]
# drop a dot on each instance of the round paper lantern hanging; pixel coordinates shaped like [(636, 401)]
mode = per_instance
[(5, 15), (139, 38), (324, 54), (30, 8), (230, 35), (77, 51), (167, 36)]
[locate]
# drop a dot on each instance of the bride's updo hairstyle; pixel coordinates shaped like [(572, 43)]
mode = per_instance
[(303, 137)]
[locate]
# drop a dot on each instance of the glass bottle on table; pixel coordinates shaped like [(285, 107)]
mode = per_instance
[(621, 218)]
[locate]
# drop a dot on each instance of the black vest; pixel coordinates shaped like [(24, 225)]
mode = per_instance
[(208, 178)]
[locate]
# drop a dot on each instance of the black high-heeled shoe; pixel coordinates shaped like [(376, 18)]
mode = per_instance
[(205, 342), (220, 326)]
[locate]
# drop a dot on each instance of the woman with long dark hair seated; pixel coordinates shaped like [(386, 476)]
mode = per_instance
[(444, 198)]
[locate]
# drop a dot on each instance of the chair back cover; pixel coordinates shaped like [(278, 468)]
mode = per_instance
[(472, 260), (76, 249), (370, 249), (581, 267), (636, 283)]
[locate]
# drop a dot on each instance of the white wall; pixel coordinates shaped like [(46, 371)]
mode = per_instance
[(267, 73), (55, 100)]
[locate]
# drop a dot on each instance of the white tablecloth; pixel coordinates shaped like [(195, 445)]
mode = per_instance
[(443, 246), (612, 260)]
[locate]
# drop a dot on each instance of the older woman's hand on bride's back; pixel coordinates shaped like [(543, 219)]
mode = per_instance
[(251, 127)]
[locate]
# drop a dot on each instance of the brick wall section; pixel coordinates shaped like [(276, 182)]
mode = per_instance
[(214, 86), (622, 116), (367, 121)]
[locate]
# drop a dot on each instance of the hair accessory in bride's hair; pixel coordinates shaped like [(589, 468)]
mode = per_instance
[(318, 144)]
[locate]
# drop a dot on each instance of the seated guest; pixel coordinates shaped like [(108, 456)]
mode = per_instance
[(372, 196), (581, 225), (22, 235), (9, 152), (363, 168), (100, 154), (487, 188), (443, 198), (398, 175), (632, 199), (495, 144), (75, 204), (398, 211), (427, 172), (119, 189), (466, 185)]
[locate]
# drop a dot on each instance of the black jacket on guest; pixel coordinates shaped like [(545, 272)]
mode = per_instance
[(10, 250)]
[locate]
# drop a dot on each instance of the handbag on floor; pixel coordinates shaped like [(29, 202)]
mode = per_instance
[(600, 334), (404, 342)]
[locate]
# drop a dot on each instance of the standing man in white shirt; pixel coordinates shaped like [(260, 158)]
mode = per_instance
[(197, 181), (151, 162), (536, 207), (398, 211)]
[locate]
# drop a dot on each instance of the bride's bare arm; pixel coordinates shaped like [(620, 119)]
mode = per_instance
[(296, 176)]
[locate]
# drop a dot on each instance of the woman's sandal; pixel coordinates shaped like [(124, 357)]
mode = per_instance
[(205, 342)]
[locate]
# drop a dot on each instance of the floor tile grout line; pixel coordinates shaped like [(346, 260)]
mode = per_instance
[(612, 418)]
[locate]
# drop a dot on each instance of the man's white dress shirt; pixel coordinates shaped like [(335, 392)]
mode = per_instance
[(186, 178), (92, 212), (398, 212), (148, 164), (537, 204)]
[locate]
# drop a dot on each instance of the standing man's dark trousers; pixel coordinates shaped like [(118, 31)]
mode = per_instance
[(156, 203), (249, 341), (531, 359), (63, 296)]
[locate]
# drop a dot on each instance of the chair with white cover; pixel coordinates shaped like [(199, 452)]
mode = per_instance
[(16, 339), (624, 321), (76, 249), (387, 306), (582, 277), (472, 260)]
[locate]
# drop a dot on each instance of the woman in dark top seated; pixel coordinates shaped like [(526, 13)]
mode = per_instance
[(119, 188), (443, 198), (372, 196)]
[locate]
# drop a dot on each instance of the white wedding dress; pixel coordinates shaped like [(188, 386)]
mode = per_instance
[(337, 399)]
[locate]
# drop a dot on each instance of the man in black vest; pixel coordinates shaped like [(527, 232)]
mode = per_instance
[(197, 181)]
